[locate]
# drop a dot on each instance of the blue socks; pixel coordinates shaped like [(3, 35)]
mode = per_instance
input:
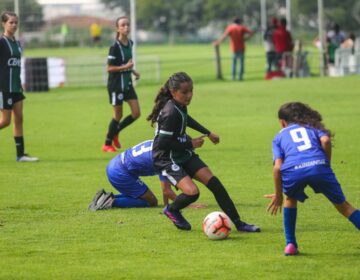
[(122, 201), (290, 225), (355, 218)]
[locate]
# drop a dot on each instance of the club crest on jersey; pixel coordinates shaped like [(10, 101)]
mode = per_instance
[(9, 101), (120, 96), (175, 167)]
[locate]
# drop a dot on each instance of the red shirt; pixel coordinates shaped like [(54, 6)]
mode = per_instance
[(282, 40), (236, 33)]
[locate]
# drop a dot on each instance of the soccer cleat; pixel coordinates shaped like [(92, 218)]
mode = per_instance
[(248, 228), (93, 203), (108, 149), (116, 142), (27, 158), (107, 202), (291, 250), (178, 219), (102, 201)]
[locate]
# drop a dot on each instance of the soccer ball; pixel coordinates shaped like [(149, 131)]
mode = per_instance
[(217, 225)]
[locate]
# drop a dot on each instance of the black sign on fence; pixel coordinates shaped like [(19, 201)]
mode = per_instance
[(36, 74)]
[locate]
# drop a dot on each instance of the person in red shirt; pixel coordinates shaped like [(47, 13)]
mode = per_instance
[(282, 40), (238, 34)]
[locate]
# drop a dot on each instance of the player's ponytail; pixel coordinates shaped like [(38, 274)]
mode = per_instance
[(164, 94), (300, 113)]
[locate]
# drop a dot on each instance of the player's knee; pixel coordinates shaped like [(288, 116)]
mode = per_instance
[(5, 123), (136, 115)]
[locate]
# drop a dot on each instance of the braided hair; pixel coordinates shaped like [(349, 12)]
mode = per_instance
[(173, 83), (300, 113)]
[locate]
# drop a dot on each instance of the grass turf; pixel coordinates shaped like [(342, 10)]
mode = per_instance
[(46, 231)]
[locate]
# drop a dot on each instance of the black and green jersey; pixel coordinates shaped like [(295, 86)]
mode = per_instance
[(171, 143), (119, 55), (10, 65)]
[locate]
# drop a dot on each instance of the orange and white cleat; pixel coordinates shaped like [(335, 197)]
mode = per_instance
[(116, 142), (108, 149)]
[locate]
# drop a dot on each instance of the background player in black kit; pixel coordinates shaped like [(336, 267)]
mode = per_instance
[(11, 92), (174, 157), (120, 87)]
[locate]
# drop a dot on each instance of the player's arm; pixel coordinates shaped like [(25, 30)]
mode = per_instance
[(198, 127), (168, 193), (113, 60), (325, 142), (277, 197)]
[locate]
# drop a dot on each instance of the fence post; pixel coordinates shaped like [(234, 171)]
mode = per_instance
[(218, 63)]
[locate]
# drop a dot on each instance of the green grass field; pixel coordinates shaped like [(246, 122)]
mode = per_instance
[(46, 231)]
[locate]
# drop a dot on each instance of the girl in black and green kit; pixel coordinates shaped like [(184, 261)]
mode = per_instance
[(11, 92)]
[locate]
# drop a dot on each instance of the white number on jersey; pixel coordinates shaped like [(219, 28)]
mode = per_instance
[(140, 149), (299, 135)]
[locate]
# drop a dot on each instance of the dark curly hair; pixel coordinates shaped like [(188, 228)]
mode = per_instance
[(300, 113), (173, 83)]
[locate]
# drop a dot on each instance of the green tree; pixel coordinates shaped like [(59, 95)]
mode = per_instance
[(31, 16)]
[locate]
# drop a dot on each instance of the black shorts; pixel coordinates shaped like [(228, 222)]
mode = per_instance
[(117, 97), (8, 99), (174, 173)]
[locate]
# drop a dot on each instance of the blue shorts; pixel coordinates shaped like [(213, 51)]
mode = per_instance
[(326, 184), (124, 182)]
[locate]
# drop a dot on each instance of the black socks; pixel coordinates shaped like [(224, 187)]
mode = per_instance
[(125, 122), (183, 200), (223, 199), (19, 142), (112, 131)]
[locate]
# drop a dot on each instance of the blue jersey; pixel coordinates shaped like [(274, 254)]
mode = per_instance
[(137, 160), (300, 149)]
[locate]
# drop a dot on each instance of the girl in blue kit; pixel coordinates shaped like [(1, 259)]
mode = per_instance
[(302, 154), (123, 173)]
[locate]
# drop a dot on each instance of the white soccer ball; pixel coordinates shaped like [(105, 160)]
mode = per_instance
[(217, 225)]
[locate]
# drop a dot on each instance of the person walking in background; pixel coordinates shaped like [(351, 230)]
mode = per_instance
[(174, 156), (120, 87), (269, 44), (238, 34), (282, 41), (11, 92), (302, 155), (95, 33)]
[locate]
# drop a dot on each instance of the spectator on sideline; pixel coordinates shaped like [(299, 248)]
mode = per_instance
[(336, 36), (269, 44), (237, 33), (174, 156), (11, 92), (120, 87), (282, 41), (302, 157), (95, 33), (349, 43)]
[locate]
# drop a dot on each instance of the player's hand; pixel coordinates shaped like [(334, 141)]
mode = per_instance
[(214, 138), (136, 74), (275, 204), (129, 64), (197, 142)]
